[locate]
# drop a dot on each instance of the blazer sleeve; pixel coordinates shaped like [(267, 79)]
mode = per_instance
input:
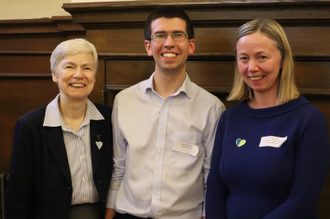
[(19, 200)]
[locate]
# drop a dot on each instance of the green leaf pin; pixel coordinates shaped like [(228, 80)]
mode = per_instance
[(240, 142)]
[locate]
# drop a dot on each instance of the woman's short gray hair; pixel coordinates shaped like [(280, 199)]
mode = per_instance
[(72, 47)]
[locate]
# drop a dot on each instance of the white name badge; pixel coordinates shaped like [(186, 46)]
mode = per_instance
[(185, 148), (272, 141)]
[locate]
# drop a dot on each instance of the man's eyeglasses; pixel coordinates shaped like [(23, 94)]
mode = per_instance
[(163, 36)]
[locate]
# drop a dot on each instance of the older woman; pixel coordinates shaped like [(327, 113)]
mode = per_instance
[(62, 155), (270, 156)]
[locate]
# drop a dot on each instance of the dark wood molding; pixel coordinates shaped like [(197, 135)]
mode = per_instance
[(25, 75), (234, 13), (144, 56), (54, 25), (25, 53)]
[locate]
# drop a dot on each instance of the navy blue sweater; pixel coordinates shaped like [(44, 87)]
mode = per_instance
[(281, 181)]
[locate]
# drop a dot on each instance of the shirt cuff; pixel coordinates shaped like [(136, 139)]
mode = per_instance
[(112, 194), (203, 213)]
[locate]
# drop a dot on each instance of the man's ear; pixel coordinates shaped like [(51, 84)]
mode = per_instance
[(191, 46), (147, 45)]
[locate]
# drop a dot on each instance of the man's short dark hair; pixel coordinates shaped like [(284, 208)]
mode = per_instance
[(168, 12)]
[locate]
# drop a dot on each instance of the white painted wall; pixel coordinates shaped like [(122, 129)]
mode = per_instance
[(28, 9)]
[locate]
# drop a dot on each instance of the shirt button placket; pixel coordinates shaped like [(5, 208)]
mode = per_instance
[(159, 157)]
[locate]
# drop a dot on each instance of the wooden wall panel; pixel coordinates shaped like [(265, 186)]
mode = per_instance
[(311, 77), (25, 77), (304, 40), (31, 44), (98, 93), (212, 40), (309, 40), (25, 64), (218, 40), (17, 97), (119, 72), (117, 40)]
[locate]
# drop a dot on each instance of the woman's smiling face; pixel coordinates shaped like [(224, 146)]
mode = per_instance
[(259, 62), (75, 76)]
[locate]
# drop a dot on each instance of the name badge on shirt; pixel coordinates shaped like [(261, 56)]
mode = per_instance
[(185, 148), (272, 141)]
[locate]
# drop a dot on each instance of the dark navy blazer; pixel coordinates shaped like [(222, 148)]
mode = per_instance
[(39, 179)]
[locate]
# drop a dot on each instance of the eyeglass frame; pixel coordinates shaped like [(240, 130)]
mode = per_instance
[(167, 35)]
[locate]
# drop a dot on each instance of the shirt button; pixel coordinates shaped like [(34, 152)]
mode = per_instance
[(156, 196), (159, 151), (162, 128), (165, 106), (83, 179), (157, 173)]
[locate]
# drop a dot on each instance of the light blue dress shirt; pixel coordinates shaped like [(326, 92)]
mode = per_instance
[(151, 178)]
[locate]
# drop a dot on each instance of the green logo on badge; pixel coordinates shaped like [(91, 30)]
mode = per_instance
[(240, 142)]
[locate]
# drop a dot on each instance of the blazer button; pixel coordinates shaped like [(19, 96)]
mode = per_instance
[(69, 188)]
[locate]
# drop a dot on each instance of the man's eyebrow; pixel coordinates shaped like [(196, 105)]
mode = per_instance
[(175, 31)]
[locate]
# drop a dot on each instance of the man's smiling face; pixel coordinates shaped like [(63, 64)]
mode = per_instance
[(169, 55)]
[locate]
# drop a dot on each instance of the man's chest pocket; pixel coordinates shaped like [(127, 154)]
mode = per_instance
[(186, 150)]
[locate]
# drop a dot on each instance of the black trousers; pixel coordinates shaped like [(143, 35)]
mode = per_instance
[(127, 216), (86, 211)]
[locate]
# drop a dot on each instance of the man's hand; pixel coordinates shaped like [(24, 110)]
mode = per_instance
[(109, 213)]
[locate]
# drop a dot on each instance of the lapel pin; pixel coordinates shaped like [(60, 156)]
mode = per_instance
[(240, 142), (99, 143)]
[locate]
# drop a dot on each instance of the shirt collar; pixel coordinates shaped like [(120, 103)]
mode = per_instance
[(185, 88), (53, 117)]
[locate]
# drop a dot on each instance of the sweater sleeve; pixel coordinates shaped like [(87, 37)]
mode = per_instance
[(216, 192), (310, 169)]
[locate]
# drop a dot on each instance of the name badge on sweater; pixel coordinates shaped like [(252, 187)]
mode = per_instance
[(272, 141), (185, 148)]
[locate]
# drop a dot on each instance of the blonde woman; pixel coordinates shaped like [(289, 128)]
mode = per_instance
[(270, 156)]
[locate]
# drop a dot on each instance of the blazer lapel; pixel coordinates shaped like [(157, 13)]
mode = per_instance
[(55, 143), (98, 141)]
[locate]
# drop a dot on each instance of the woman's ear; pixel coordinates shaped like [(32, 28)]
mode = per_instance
[(54, 77)]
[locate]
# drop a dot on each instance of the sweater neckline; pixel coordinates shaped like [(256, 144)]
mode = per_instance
[(272, 111)]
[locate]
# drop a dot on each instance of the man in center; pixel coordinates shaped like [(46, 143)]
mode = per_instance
[(163, 130)]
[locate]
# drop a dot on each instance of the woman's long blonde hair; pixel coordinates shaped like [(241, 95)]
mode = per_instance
[(287, 89)]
